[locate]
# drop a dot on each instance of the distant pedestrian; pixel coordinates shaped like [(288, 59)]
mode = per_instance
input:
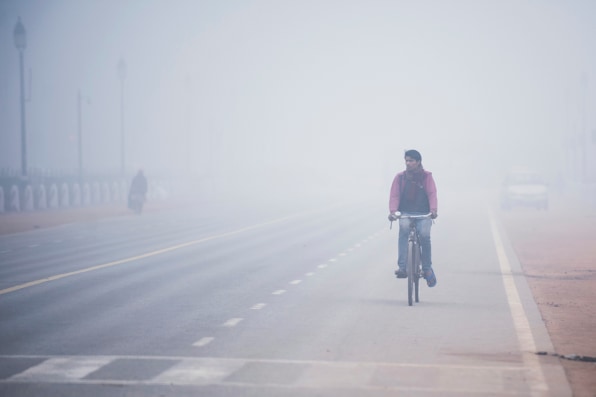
[(138, 192)]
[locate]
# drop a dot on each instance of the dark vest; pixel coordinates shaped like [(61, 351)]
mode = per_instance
[(413, 196)]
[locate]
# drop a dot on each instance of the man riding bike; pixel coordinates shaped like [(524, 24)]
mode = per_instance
[(138, 191), (413, 192)]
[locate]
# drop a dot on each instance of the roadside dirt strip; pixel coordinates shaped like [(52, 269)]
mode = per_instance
[(557, 252)]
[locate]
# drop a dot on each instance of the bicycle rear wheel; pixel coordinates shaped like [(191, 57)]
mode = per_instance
[(411, 267), (417, 271)]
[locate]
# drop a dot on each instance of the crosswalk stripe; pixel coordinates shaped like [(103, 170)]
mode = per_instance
[(497, 380), (62, 369)]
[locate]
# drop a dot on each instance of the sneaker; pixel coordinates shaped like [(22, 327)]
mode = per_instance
[(401, 273), (429, 276)]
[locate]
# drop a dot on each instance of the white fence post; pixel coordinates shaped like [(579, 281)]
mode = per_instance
[(124, 190), (41, 202), (14, 203), (86, 194), (116, 192), (95, 193), (76, 195), (28, 199), (53, 196), (105, 193), (64, 196)]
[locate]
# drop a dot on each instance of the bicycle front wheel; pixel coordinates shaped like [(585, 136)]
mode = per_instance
[(417, 271), (412, 273)]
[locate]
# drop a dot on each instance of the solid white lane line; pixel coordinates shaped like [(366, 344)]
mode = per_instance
[(203, 341), (232, 322), (279, 292), (520, 319), (513, 366), (148, 254), (295, 282), (258, 306)]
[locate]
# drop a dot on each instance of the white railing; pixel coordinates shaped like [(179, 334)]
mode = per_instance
[(44, 196)]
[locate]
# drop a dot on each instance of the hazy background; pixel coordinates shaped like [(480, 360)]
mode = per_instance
[(298, 95)]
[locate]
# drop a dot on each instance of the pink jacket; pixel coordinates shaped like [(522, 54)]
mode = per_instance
[(429, 187)]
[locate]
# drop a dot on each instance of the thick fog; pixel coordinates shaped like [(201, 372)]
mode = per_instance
[(302, 95)]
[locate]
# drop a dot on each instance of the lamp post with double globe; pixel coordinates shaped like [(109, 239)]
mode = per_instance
[(122, 75), (79, 136), (20, 42)]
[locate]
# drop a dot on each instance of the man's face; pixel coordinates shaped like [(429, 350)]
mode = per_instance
[(411, 164)]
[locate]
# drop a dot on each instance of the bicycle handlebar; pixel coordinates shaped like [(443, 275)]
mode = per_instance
[(395, 217), (414, 216)]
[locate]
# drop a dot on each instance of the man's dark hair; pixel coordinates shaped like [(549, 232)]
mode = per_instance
[(415, 154)]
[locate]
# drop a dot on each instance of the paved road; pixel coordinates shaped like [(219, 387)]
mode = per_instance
[(267, 303)]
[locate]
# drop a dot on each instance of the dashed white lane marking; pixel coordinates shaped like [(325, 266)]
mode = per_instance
[(520, 319), (358, 245), (33, 245), (279, 292), (57, 241), (258, 306), (203, 341), (4, 252), (295, 282), (350, 249), (332, 260), (232, 322), (322, 266), (309, 274), (343, 254)]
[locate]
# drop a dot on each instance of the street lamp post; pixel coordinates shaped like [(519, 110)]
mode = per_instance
[(80, 136), (122, 75), (187, 120), (80, 99), (20, 42)]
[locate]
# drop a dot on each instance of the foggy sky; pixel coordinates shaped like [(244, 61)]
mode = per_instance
[(332, 90)]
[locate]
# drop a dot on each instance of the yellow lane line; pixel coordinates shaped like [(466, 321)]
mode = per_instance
[(134, 258)]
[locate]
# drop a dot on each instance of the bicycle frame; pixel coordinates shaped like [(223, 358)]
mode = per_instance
[(414, 264)]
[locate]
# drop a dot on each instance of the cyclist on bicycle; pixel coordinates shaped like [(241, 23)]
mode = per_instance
[(413, 192)]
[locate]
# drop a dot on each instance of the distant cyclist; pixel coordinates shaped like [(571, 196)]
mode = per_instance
[(413, 192), (138, 191)]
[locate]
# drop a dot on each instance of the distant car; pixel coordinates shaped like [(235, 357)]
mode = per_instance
[(524, 187)]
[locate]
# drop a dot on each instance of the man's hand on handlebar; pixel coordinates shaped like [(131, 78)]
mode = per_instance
[(433, 215), (393, 217)]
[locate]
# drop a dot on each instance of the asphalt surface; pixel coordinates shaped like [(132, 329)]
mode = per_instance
[(299, 302)]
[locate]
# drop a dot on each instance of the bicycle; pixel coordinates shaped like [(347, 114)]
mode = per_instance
[(414, 264)]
